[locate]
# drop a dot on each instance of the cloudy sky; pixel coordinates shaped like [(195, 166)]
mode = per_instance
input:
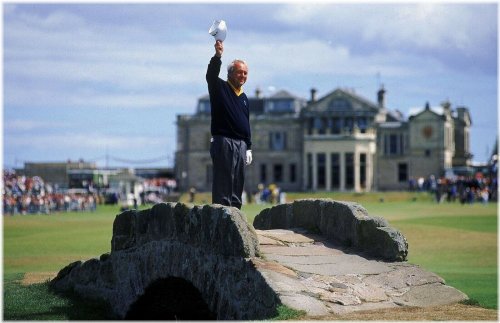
[(90, 80)]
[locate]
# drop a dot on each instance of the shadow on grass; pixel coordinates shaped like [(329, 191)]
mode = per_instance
[(37, 302)]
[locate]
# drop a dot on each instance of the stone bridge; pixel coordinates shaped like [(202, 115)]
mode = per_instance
[(321, 256)]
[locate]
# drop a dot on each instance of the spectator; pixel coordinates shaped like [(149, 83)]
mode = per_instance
[(23, 195)]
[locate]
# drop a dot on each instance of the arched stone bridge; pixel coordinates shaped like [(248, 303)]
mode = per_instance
[(243, 274)]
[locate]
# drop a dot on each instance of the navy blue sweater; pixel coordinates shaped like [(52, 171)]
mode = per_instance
[(230, 113)]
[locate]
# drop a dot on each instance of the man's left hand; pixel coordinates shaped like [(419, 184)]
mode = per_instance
[(249, 157)]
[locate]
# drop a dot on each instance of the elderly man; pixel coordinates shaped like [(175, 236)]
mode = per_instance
[(231, 143)]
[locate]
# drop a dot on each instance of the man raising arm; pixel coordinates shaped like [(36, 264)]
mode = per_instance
[(230, 147)]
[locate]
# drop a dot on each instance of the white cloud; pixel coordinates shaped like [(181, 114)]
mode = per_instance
[(53, 62), (87, 140), (427, 26), (31, 125), (297, 57), (450, 32)]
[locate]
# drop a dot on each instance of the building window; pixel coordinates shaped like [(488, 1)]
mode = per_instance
[(204, 107), (279, 106), (362, 170), (427, 153), (310, 126), (336, 125), (309, 171), (349, 170), (348, 124), (277, 141), (209, 175), (339, 105), (335, 170), (320, 125), (263, 173), (403, 172), (321, 170), (394, 144), (278, 173), (324, 126), (362, 124), (293, 173)]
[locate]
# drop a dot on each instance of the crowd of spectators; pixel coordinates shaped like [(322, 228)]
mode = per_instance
[(464, 189), (31, 195), (272, 194)]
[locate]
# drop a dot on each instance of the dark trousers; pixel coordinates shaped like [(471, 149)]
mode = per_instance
[(228, 158)]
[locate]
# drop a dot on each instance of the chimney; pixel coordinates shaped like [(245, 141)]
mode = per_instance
[(257, 93), (381, 97), (446, 105), (313, 95)]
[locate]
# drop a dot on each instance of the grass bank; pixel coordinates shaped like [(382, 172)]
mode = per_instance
[(458, 242)]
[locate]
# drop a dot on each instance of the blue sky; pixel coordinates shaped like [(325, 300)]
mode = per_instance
[(86, 80)]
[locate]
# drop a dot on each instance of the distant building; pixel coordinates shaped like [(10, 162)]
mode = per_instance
[(57, 173), (340, 142), (154, 172), (82, 174)]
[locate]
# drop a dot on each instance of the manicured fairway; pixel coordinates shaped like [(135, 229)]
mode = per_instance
[(458, 242), (40, 243)]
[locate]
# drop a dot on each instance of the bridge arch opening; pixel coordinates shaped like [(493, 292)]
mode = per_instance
[(170, 298)]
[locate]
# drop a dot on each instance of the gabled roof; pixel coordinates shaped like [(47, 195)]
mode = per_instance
[(355, 101), (283, 94), (412, 112)]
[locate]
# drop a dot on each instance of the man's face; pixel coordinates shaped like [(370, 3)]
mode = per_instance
[(239, 75)]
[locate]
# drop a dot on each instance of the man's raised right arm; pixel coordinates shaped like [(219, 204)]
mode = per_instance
[(215, 63)]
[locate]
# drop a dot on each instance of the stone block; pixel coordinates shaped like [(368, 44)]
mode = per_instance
[(161, 223), (123, 231), (263, 221), (210, 246), (395, 244), (305, 214), (281, 215), (347, 223)]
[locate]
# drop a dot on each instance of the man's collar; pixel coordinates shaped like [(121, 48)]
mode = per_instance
[(236, 91)]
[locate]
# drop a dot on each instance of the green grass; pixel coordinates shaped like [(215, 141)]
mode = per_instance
[(34, 302), (38, 243), (457, 242), (287, 313)]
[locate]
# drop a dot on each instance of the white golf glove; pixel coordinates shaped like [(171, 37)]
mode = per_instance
[(249, 157)]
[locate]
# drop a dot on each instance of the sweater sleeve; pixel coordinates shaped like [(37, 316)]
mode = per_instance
[(213, 70)]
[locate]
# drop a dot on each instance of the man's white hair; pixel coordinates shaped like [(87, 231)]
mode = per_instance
[(230, 67)]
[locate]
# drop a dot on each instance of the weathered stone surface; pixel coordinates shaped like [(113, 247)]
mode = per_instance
[(218, 229), (212, 247), (311, 305), (430, 295), (286, 236), (345, 222), (346, 282)]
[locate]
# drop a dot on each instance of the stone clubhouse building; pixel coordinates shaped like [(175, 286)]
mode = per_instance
[(339, 142)]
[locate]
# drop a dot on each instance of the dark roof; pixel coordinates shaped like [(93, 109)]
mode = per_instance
[(256, 105), (356, 102), (283, 94)]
